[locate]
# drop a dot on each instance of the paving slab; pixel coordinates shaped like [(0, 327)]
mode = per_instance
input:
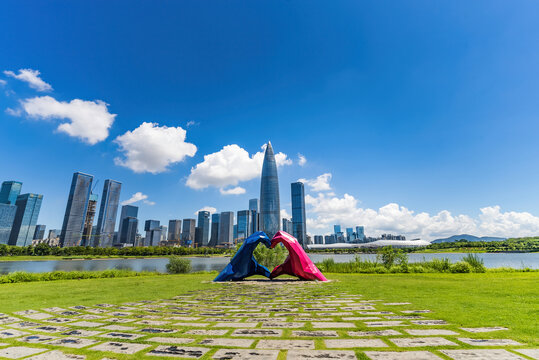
[(17, 352), (206, 332), (118, 328), (121, 335), (35, 338), (236, 324), (56, 355), (481, 354), (285, 344), (245, 354), (178, 351), (332, 325), (320, 333), (360, 318), (170, 340), (489, 342), (484, 329), (5, 334), (374, 333), (23, 325), (283, 325), (120, 348), (428, 332), (384, 323), (407, 355), (50, 329), (89, 324), (81, 332), (420, 342), (354, 343), (533, 353), (415, 311), (257, 332), (73, 342), (227, 342), (321, 354), (429, 322)]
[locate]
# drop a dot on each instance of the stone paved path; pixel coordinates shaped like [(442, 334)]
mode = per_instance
[(251, 320)]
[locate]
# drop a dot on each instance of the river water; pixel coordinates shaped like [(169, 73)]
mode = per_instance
[(494, 260)]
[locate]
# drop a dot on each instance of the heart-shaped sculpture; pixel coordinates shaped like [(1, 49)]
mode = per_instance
[(244, 264), (297, 263)]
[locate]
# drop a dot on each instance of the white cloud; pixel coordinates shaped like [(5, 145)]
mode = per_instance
[(228, 167), (31, 77), (321, 183), (13, 112), (285, 214), (396, 219), (3, 82), (210, 209), (302, 160), (238, 190), (138, 196), (153, 148), (191, 123), (88, 120)]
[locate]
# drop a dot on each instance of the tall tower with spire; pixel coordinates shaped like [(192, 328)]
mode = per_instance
[(270, 208)]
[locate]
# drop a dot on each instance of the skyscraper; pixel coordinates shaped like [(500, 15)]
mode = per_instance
[(174, 231), (89, 221), (287, 226), (24, 225), (254, 211), (360, 233), (188, 232), (153, 232), (39, 233), (164, 230), (299, 230), (226, 229), (350, 234), (204, 226), (131, 212), (270, 208), (7, 216), (108, 210), (214, 239), (129, 230), (9, 192), (77, 205), (243, 224)]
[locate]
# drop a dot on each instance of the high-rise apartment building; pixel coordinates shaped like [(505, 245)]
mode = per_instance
[(77, 206), (188, 232), (174, 231), (9, 192), (39, 233), (226, 229), (287, 226), (7, 216), (360, 233), (299, 224), (243, 227), (204, 226), (128, 211), (214, 238), (350, 234), (254, 210), (24, 225), (108, 211), (129, 227), (87, 232), (153, 232), (270, 208)]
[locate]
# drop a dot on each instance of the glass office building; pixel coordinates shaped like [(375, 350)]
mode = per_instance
[(106, 222), (188, 232), (174, 231), (299, 226), (7, 216), (39, 234), (77, 206), (9, 192), (204, 226), (153, 233), (287, 226), (243, 224), (128, 211), (226, 229), (270, 208), (214, 238), (129, 230), (24, 225), (254, 211)]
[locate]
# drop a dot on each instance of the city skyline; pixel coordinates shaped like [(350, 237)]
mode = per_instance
[(390, 126)]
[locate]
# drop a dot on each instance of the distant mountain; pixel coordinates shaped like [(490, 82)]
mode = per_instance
[(467, 238)]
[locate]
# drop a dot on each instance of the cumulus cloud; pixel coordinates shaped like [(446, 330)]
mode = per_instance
[(393, 218), (3, 82), (153, 148), (302, 160), (285, 214), (228, 167), (13, 112), (87, 120), (191, 123), (138, 196), (321, 183), (210, 209), (31, 77)]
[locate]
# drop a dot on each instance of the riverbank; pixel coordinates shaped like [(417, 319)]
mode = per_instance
[(98, 257)]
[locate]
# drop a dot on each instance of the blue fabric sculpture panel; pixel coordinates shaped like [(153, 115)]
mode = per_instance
[(243, 264)]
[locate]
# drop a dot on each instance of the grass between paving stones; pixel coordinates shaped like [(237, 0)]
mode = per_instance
[(463, 300)]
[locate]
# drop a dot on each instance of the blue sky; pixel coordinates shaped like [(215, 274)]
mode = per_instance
[(424, 113)]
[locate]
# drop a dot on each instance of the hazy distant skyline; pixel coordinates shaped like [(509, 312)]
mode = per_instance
[(412, 117)]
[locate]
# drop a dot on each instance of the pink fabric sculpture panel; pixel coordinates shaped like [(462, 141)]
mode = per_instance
[(297, 263)]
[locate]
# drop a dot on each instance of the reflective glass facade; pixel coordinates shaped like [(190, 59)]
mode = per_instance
[(188, 232), (39, 234), (270, 208), (226, 228), (243, 224), (204, 226), (108, 211), (174, 230), (77, 205), (214, 238), (7, 216), (127, 211), (24, 225), (9, 192), (153, 233), (254, 210), (299, 230), (129, 234)]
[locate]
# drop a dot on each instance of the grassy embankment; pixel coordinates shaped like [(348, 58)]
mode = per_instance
[(488, 299)]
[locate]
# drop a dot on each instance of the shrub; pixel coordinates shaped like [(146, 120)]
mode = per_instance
[(440, 265), (475, 262), (178, 265), (461, 267), (389, 256), (270, 258)]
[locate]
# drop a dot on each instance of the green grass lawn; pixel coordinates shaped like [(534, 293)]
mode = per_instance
[(491, 299)]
